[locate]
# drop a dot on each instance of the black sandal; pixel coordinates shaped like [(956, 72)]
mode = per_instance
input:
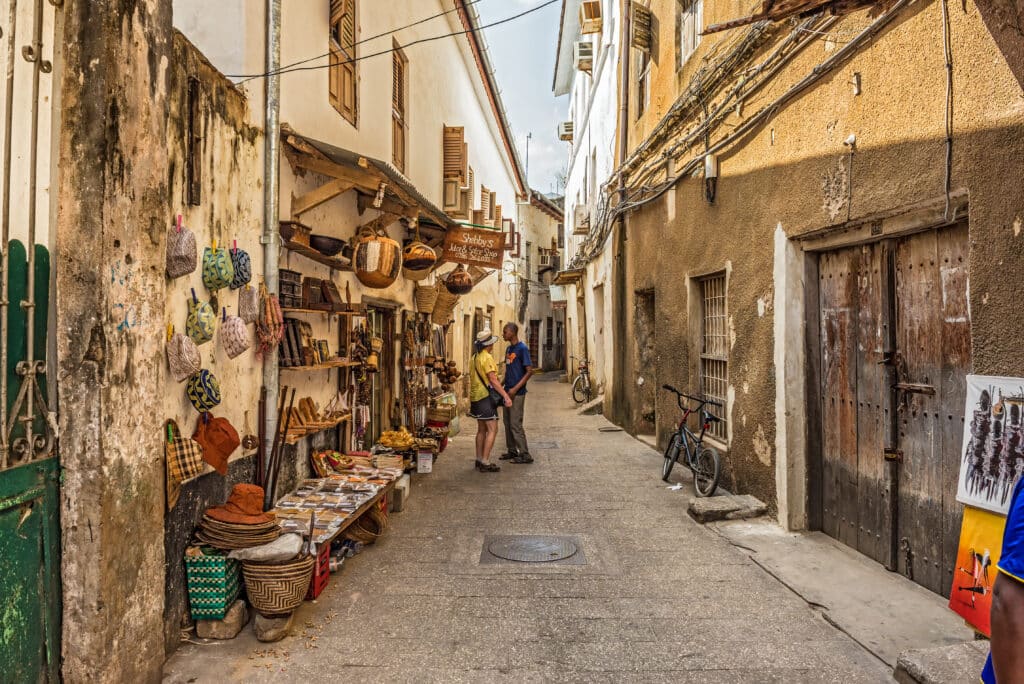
[(487, 467)]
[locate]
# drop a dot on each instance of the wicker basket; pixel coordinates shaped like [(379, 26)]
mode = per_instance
[(276, 589), (444, 306), (426, 296), (369, 527), (441, 414)]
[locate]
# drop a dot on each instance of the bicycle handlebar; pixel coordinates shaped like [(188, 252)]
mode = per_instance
[(670, 388)]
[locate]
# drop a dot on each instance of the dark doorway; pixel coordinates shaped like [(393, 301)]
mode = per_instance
[(644, 417)]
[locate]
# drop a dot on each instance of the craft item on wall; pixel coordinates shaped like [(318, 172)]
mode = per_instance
[(201, 321), (326, 245), (426, 295), (249, 441), (444, 307), (313, 294), (459, 282), (376, 259), (981, 541), (203, 391), (184, 461), (417, 260), (234, 335), (218, 272), (181, 250), (293, 231), (242, 266), (331, 295), (248, 303), (290, 286), (992, 452), (270, 326), (183, 358), (219, 440), (371, 362)]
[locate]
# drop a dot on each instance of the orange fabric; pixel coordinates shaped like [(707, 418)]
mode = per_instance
[(244, 506), (218, 439)]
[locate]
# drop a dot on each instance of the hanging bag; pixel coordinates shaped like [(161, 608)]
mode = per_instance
[(181, 250), (184, 461), (183, 358), (218, 271), (203, 391), (242, 265), (270, 327), (248, 303), (234, 335), (201, 320)]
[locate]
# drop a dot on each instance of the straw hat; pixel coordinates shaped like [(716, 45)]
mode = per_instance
[(485, 338), (244, 506)]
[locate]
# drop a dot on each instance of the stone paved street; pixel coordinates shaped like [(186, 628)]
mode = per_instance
[(660, 598)]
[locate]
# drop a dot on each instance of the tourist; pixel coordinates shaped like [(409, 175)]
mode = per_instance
[(485, 393), (518, 371), (1006, 663)]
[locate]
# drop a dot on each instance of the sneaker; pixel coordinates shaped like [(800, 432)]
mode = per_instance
[(523, 458), (507, 457)]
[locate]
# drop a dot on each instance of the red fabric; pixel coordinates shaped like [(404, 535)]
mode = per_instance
[(219, 440)]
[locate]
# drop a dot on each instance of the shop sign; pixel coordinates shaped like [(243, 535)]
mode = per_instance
[(474, 247), (558, 306)]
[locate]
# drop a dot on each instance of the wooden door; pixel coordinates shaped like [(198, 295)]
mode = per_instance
[(533, 343), (895, 352), (934, 356)]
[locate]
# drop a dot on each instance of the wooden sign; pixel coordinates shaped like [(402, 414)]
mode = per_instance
[(474, 247)]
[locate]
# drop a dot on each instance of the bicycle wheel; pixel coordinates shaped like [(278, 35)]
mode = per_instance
[(579, 390), (671, 456), (706, 471)]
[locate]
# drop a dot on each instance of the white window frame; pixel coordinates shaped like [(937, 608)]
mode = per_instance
[(689, 24)]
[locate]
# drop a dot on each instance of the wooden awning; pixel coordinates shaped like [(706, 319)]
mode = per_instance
[(569, 276), (378, 184), (777, 10)]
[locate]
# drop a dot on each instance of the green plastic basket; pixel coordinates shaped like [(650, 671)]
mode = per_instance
[(214, 582)]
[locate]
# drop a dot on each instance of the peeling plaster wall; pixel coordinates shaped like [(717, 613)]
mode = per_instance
[(794, 172), (112, 218)]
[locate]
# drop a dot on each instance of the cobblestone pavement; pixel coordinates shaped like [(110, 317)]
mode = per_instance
[(660, 598)]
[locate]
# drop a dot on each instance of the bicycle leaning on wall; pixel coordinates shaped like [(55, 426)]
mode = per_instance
[(703, 461), (582, 390)]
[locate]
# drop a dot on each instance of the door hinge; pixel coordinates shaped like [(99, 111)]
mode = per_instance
[(915, 388), (893, 454)]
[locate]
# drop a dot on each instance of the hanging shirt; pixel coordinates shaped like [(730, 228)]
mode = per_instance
[(1011, 560), (517, 359), (483, 363)]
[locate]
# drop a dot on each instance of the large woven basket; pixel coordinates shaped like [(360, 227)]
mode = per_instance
[(444, 306), (369, 527), (276, 589), (426, 296)]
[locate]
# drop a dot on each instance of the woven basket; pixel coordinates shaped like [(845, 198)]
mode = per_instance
[(444, 306), (416, 276), (369, 527), (441, 414), (276, 589), (426, 296)]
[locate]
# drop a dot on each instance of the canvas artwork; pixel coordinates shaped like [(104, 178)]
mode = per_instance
[(981, 538), (992, 457)]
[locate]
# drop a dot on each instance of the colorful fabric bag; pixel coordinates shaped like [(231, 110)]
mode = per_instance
[(242, 265), (218, 271), (181, 250), (203, 391), (184, 461), (183, 358), (201, 320), (248, 303), (234, 335)]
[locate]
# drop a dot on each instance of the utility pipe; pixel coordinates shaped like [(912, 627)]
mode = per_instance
[(271, 211), (5, 232)]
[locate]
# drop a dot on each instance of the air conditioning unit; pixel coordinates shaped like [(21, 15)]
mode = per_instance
[(590, 17), (581, 220), (584, 55), (565, 131)]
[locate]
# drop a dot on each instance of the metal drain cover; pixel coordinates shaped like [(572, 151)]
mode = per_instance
[(533, 549)]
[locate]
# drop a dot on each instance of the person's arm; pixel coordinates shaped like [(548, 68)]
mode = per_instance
[(496, 384), (1008, 628), (522, 382)]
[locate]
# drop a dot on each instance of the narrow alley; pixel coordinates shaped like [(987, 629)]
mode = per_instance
[(656, 597)]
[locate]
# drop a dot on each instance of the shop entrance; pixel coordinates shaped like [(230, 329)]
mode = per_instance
[(380, 323), (895, 348)]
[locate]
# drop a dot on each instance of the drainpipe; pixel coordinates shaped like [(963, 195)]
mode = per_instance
[(271, 187), (620, 305)]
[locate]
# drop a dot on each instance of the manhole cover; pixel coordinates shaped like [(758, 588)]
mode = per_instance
[(533, 549)]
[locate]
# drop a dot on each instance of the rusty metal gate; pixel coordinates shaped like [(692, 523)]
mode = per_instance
[(895, 352), (29, 469)]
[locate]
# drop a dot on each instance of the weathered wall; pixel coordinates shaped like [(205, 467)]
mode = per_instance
[(112, 217), (794, 172), (229, 210)]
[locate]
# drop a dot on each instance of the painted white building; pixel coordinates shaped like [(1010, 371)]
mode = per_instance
[(587, 69)]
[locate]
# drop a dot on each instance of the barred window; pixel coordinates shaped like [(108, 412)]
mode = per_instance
[(714, 355)]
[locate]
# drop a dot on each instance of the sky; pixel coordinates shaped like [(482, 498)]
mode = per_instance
[(523, 55)]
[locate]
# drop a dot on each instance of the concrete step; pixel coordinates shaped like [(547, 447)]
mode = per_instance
[(726, 507), (957, 663), (593, 408)]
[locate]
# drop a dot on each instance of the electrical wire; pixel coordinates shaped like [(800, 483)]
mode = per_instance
[(359, 42), (249, 77)]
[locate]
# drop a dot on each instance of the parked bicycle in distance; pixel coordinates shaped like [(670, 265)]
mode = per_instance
[(582, 390), (703, 461)]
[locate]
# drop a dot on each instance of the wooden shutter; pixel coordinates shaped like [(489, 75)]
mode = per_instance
[(506, 227), (342, 83), (455, 153), (398, 110), (478, 217), (496, 219), (641, 38), (492, 203), (485, 204)]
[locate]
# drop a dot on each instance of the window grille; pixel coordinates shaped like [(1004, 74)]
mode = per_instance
[(714, 357)]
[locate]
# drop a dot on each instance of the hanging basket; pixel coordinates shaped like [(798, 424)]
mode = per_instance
[(276, 589), (426, 295), (459, 282), (444, 306), (376, 259), (417, 260)]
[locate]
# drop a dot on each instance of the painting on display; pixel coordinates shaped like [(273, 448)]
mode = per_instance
[(981, 538), (992, 457)]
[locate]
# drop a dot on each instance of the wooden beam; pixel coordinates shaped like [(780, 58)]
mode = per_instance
[(365, 202), (382, 221), (315, 198)]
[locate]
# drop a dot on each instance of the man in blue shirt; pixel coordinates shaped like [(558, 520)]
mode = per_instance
[(1006, 663), (518, 371)]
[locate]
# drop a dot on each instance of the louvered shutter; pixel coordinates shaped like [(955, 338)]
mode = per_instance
[(641, 21), (506, 225), (485, 204), (342, 82), (398, 111), (454, 151), (496, 219)]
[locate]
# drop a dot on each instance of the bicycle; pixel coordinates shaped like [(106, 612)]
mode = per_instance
[(703, 461), (582, 390)]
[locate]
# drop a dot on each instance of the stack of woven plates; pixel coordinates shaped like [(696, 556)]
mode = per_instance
[(226, 535)]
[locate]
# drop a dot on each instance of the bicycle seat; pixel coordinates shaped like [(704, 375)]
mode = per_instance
[(713, 418)]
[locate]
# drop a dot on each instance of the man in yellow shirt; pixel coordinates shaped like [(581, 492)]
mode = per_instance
[(483, 379)]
